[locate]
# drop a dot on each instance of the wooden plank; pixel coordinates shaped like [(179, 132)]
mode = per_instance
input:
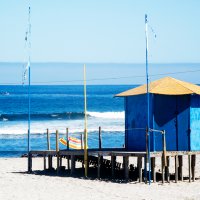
[(132, 154), (113, 164), (193, 164), (139, 166), (189, 167), (126, 167), (45, 152), (109, 152), (180, 168), (176, 168), (72, 152), (153, 166)]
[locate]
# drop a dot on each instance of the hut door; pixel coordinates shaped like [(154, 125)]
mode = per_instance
[(183, 113), (165, 119)]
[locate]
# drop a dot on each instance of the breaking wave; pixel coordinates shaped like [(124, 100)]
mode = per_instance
[(61, 116), (107, 115)]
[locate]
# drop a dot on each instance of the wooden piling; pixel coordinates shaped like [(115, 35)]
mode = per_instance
[(193, 165), (49, 148), (164, 147), (29, 162), (146, 158), (145, 168), (139, 166), (99, 166), (82, 147), (189, 166), (67, 138), (45, 162), (60, 160), (57, 141), (176, 168), (163, 168), (58, 163), (73, 164), (153, 166), (48, 140), (180, 168), (81, 135), (167, 174), (126, 167), (100, 138), (113, 164), (57, 150), (50, 162), (164, 158)]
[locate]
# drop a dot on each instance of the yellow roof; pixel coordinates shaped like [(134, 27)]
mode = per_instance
[(164, 86)]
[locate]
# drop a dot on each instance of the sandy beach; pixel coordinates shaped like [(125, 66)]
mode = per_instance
[(17, 184)]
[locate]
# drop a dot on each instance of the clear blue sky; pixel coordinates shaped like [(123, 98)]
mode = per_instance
[(101, 30)]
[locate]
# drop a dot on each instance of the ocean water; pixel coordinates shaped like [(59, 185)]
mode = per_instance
[(59, 107)]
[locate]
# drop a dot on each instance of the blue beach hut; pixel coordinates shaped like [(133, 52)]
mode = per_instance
[(174, 107)]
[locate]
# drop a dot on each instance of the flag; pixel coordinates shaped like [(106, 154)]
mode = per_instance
[(74, 143), (25, 72)]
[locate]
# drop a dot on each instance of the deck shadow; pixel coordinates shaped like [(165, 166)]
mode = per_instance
[(92, 174)]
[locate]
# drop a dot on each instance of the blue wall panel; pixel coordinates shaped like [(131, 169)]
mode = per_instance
[(136, 122), (195, 123)]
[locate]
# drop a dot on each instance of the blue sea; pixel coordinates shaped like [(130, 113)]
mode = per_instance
[(57, 108)]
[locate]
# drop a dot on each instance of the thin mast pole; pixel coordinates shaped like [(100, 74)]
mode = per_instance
[(85, 129), (148, 112), (29, 81)]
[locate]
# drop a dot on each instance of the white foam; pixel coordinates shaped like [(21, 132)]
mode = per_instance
[(75, 126), (54, 115), (107, 115)]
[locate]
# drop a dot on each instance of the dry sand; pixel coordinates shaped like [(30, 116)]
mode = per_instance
[(17, 185)]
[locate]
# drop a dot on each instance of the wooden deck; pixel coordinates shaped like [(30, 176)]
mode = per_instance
[(98, 159)]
